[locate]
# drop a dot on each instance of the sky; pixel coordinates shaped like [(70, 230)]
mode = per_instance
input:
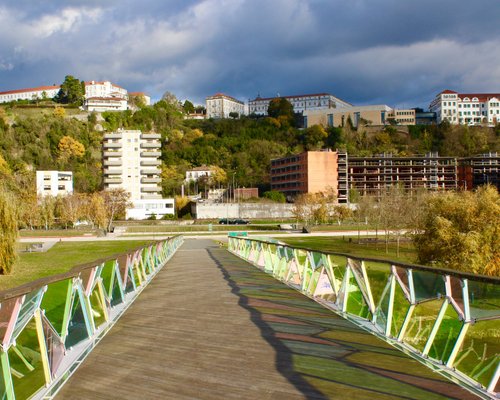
[(395, 52)]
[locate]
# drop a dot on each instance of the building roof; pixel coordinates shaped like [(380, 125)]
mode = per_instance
[(447, 91), (219, 95), (202, 168), (36, 89), (482, 97), (89, 83)]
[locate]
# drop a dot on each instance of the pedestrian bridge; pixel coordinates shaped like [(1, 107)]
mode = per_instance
[(212, 326)]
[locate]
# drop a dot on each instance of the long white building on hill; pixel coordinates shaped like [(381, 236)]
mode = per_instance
[(40, 92)]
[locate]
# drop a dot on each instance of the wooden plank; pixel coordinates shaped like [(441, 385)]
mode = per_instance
[(211, 326)]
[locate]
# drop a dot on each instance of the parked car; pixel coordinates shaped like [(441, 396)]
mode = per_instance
[(227, 221)]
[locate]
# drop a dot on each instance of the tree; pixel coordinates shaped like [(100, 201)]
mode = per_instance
[(314, 137), (217, 176), (70, 148), (116, 202), (72, 91), (461, 230), (94, 210), (8, 231), (71, 209), (188, 107), (281, 107), (234, 115)]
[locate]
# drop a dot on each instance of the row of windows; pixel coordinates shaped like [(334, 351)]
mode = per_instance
[(286, 177), (285, 169)]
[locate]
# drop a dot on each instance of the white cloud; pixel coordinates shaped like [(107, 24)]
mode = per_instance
[(65, 21)]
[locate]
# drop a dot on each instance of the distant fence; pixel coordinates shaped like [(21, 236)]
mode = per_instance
[(446, 319), (49, 326)]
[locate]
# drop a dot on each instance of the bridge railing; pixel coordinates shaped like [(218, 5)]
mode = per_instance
[(47, 327), (447, 319)]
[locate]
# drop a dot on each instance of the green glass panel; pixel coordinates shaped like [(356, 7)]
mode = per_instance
[(77, 330), (383, 308), (427, 285), (356, 304), (129, 286), (26, 363), (446, 336), (107, 275), (484, 299), (116, 297), (3, 389), (54, 303), (378, 275), (135, 273), (422, 321), (316, 258), (399, 310), (301, 256), (480, 352), (98, 313), (338, 264)]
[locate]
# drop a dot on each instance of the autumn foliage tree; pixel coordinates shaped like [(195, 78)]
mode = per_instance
[(8, 232), (461, 230)]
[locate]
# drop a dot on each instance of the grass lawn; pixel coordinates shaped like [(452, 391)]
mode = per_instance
[(61, 258), (340, 245), (57, 232)]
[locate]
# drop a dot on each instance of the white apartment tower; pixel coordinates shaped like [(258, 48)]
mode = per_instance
[(131, 161), (467, 109)]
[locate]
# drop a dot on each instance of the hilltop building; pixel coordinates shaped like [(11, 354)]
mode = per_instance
[(196, 173), (131, 161), (378, 114), (54, 183), (301, 103), (221, 105), (466, 109), (40, 92), (105, 96)]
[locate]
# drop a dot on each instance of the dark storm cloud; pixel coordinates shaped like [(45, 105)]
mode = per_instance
[(394, 52)]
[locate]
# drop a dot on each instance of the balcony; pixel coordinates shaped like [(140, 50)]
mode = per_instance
[(150, 136), (150, 153), (150, 189), (150, 196), (113, 171), (150, 163), (112, 145), (150, 171), (151, 180), (150, 145), (112, 153), (112, 163), (112, 180), (114, 135)]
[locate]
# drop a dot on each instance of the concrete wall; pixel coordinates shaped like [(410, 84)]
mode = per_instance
[(242, 210)]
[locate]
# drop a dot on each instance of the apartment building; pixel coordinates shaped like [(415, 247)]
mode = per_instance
[(41, 92), (466, 108), (54, 183), (307, 172), (301, 103), (131, 161), (374, 175), (221, 105)]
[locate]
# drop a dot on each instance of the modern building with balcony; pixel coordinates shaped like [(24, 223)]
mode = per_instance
[(482, 169), (54, 183), (375, 175), (131, 162)]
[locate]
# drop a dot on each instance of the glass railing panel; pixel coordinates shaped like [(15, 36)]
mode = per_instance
[(484, 300), (356, 303), (54, 345), (382, 308), (77, 327), (428, 285), (400, 309), (338, 264), (54, 303), (446, 335), (97, 305), (31, 303), (316, 259), (116, 291), (422, 320), (480, 352), (26, 363), (107, 275), (6, 309), (378, 275)]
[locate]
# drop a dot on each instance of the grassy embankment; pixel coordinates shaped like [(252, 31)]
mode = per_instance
[(61, 258)]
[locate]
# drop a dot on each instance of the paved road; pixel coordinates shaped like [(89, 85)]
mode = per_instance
[(211, 326)]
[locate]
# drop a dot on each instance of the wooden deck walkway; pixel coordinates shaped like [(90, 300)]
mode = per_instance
[(211, 326)]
